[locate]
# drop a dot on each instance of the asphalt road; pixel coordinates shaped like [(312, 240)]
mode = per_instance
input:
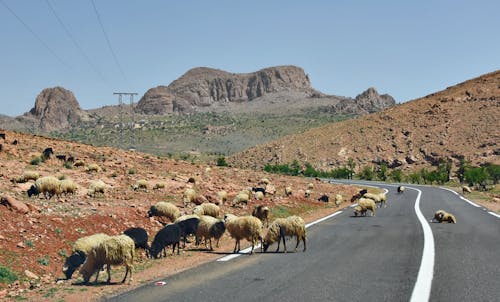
[(358, 259)]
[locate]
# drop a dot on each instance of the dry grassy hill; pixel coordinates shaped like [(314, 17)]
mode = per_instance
[(461, 121), (37, 237)]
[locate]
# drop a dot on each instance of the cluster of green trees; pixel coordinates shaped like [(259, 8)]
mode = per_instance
[(478, 177)]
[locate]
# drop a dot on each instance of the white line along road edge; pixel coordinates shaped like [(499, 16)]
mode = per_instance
[(422, 290), (248, 249)]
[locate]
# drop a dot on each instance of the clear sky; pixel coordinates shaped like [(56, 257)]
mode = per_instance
[(405, 48)]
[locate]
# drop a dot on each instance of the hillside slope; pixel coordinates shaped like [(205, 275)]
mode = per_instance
[(462, 121)]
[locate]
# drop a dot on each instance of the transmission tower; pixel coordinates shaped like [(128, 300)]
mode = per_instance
[(132, 124)]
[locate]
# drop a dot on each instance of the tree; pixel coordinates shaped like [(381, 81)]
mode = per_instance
[(476, 175), (462, 166), (382, 171), (351, 165), (367, 173), (493, 172), (396, 175)]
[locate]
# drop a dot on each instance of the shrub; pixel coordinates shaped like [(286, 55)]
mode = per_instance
[(367, 173), (221, 162), (68, 165), (36, 161), (6, 275), (131, 171), (44, 261)]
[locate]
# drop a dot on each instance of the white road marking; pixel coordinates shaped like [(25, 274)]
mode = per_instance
[(494, 214), (422, 289), (461, 197), (247, 250)]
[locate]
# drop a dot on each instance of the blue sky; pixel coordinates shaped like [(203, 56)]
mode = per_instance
[(405, 48)]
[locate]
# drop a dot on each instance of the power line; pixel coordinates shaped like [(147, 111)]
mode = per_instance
[(108, 42), (35, 35), (76, 44)]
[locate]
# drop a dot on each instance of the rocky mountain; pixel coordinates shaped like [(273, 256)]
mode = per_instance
[(459, 122), (56, 108), (203, 87)]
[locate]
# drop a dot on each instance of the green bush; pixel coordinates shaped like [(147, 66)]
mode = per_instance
[(221, 162), (6, 275), (36, 161)]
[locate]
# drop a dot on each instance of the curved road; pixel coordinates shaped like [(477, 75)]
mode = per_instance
[(359, 259)]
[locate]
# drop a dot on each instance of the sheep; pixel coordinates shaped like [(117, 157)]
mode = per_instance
[(166, 209), (96, 186), (288, 191), (71, 159), (264, 181), (61, 157), (380, 198), (222, 195), (79, 163), (188, 196), (140, 237), (170, 234), (261, 212), (401, 189), (258, 195), (26, 176), (2, 135), (338, 199), (47, 152), (282, 227), (93, 168), (310, 186), (324, 198), (208, 228), (466, 189), (359, 195), (48, 186), (158, 186), (270, 189), (81, 248), (112, 251), (442, 215), (241, 197), (243, 227), (359, 210), (307, 193), (188, 225), (67, 186), (259, 189), (209, 209), (140, 184), (367, 204), (199, 199)]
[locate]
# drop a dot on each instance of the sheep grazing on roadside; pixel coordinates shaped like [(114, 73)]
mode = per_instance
[(442, 215), (140, 237), (165, 209), (188, 196), (141, 184), (209, 209), (338, 199), (26, 176), (68, 186), (261, 212), (208, 228), (324, 198), (243, 227), (159, 186), (288, 191), (307, 193), (115, 250), (168, 235), (466, 189), (359, 195), (188, 225), (241, 197), (358, 210), (366, 204), (93, 168), (48, 186), (283, 227), (97, 187), (81, 248), (401, 189), (380, 198)]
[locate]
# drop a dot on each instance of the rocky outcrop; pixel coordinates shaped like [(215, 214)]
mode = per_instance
[(371, 101), (201, 87), (56, 108)]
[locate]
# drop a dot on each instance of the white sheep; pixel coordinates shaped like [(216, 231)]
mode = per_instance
[(307, 193), (244, 227), (210, 227), (283, 227), (188, 196), (261, 212), (209, 209), (97, 186), (310, 186), (442, 215), (338, 199), (222, 195), (48, 186), (165, 209), (380, 198), (67, 186), (288, 191), (366, 204), (466, 189), (81, 248), (401, 189), (112, 251), (241, 197), (140, 184), (258, 195), (26, 176)]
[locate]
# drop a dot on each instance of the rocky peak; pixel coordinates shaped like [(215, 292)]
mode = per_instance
[(202, 86), (56, 108), (371, 101)]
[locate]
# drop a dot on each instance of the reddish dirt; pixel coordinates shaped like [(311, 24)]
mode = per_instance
[(39, 240)]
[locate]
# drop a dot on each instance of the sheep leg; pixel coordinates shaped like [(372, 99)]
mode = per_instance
[(235, 244), (109, 274), (284, 244), (210, 240), (297, 245), (126, 273)]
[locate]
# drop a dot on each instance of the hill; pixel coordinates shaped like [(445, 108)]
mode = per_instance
[(459, 122)]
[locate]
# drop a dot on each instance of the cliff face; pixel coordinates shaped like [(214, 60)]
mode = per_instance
[(201, 87), (56, 108)]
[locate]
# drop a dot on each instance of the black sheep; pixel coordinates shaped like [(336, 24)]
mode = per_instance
[(2, 135), (140, 237), (61, 157), (324, 198), (258, 189), (170, 234), (33, 190), (188, 227), (72, 263), (47, 152)]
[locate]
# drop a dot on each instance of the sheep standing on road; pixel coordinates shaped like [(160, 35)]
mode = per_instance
[(243, 227), (283, 227), (208, 228), (365, 204), (401, 189), (380, 198), (112, 251)]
